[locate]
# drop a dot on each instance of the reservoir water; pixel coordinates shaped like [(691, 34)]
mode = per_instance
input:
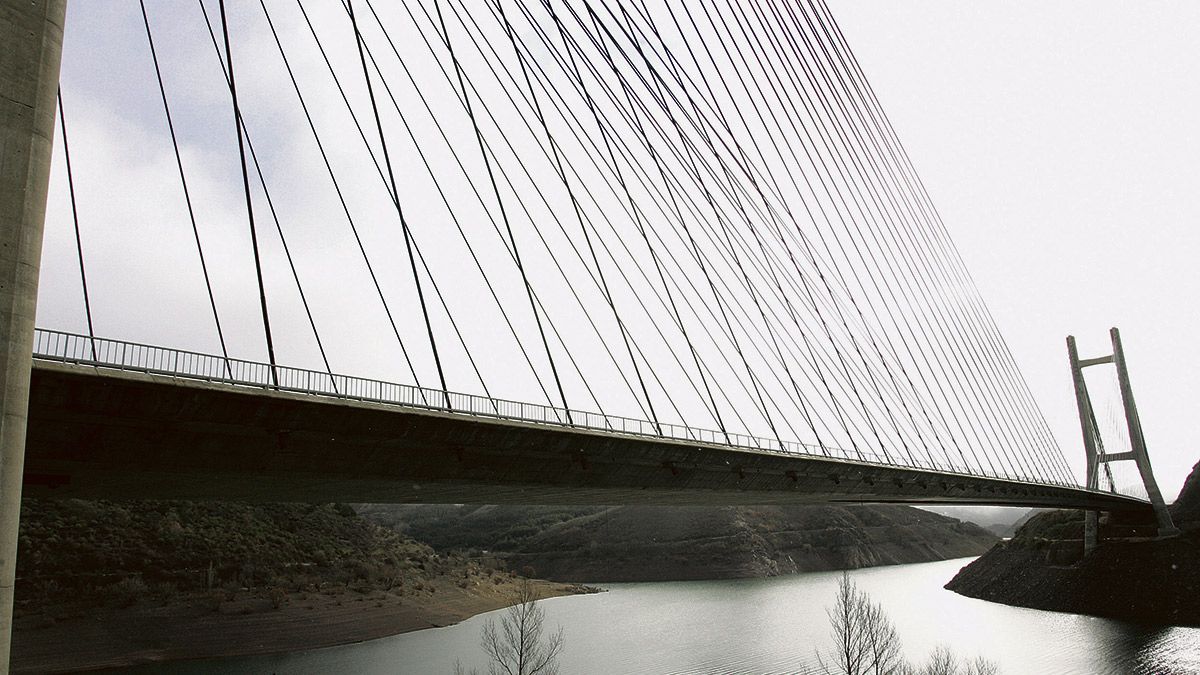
[(767, 626)]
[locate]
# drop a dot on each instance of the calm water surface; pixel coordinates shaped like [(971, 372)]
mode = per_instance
[(768, 626)]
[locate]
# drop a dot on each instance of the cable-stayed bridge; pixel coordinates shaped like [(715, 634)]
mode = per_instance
[(681, 245), (522, 251), (114, 419)]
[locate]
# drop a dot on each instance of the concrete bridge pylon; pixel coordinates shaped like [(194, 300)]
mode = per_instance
[(1094, 447), (31, 32)]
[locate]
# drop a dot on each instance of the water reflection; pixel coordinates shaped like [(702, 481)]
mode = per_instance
[(769, 626), (1170, 649)]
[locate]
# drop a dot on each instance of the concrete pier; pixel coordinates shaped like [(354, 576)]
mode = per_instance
[(31, 34)]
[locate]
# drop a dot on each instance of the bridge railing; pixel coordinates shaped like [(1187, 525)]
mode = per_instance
[(52, 345)]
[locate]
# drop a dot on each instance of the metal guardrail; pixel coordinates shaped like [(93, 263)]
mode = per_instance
[(52, 345)]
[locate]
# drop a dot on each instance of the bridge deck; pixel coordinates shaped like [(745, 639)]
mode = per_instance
[(105, 433)]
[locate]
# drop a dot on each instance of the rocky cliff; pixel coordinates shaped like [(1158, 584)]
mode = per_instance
[(644, 543), (1135, 578)]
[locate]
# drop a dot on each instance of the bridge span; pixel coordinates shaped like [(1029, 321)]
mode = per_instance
[(762, 248), (117, 420)]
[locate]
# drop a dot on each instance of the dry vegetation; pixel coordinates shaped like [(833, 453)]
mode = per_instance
[(76, 555)]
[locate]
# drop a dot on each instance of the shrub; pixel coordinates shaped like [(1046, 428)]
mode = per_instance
[(126, 592), (165, 590)]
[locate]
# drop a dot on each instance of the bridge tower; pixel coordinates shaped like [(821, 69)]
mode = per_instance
[(1096, 456), (31, 32)]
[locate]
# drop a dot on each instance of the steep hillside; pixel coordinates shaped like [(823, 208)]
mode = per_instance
[(123, 583), (644, 543), (77, 547), (1136, 579)]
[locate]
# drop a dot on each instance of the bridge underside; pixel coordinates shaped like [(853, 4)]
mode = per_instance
[(106, 434)]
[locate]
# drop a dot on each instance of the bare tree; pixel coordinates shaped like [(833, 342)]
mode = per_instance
[(982, 666), (519, 645), (941, 662), (883, 642), (865, 640), (849, 653)]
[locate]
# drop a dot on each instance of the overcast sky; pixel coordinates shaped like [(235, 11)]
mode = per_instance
[(1057, 142)]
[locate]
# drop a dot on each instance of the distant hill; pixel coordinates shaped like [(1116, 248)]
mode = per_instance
[(1133, 578), (646, 543), (1001, 521)]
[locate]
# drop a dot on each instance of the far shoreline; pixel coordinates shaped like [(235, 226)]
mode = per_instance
[(108, 638)]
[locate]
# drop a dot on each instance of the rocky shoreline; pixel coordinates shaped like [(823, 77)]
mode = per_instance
[(1145, 582), (1139, 579), (110, 638)]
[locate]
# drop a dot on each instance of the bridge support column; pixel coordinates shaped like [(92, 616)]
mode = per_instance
[(31, 33), (1087, 421), (1094, 445), (1137, 440)]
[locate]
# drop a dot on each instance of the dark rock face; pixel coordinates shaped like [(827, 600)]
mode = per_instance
[(1136, 580), (645, 543), (1186, 510)]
